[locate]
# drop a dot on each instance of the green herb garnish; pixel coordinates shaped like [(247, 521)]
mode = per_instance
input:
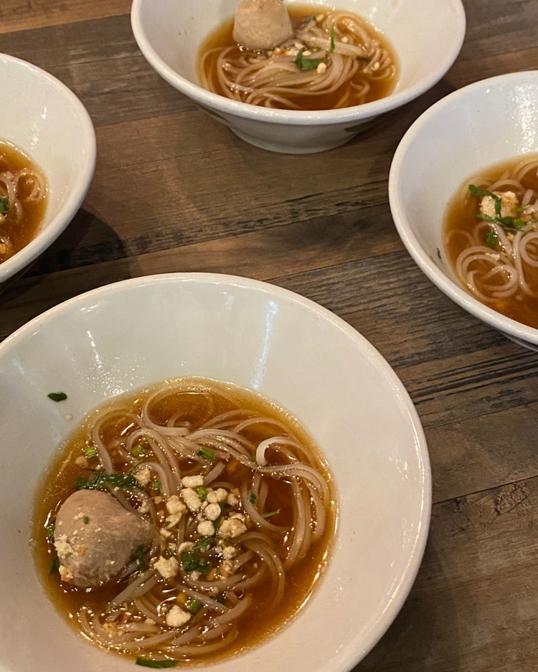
[(54, 565), (90, 451), (192, 562), (156, 664), (138, 451), (492, 239), (140, 555), (49, 529), (203, 545), (193, 605), (306, 63), (507, 222), (201, 492), (333, 41), (57, 396), (100, 480), (156, 485), (478, 192), (86, 520), (271, 514), (252, 498), (4, 205), (206, 453)]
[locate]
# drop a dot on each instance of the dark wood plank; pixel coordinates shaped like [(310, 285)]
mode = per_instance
[(175, 191), (100, 61), (473, 607), (16, 15)]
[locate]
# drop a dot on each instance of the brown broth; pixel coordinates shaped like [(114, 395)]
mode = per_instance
[(223, 37), (461, 215), (256, 625), (14, 235)]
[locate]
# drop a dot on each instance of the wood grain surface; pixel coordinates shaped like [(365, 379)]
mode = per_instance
[(203, 200)]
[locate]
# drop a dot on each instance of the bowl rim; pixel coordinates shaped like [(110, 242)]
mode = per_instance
[(355, 649), (446, 284), (46, 236), (296, 117)]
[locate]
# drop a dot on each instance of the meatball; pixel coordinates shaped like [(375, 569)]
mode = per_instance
[(95, 538), (262, 24)]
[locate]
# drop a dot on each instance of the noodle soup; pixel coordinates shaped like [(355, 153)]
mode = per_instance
[(23, 200), (491, 238), (185, 522), (334, 59)]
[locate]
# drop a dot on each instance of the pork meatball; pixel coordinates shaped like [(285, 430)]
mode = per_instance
[(95, 538), (262, 24)]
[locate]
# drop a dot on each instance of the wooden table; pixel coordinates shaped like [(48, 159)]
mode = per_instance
[(174, 191)]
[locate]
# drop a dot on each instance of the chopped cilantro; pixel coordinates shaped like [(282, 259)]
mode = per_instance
[(54, 565), (206, 453), (333, 41), (192, 562), (307, 63), (252, 498), (156, 664), (57, 396), (156, 485), (100, 479), (50, 531), (507, 222), (140, 555), (86, 520), (203, 545), (138, 450), (513, 223), (492, 239), (4, 205), (201, 492), (478, 192), (193, 605), (90, 451)]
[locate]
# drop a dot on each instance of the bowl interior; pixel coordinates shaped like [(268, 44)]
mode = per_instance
[(176, 30), (44, 119), (486, 123), (125, 336)]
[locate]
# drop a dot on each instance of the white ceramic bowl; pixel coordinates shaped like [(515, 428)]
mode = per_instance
[(170, 33), (41, 116), (471, 129), (126, 335)]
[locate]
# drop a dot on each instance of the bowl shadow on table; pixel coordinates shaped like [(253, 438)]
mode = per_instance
[(425, 635), (88, 241), (400, 119)]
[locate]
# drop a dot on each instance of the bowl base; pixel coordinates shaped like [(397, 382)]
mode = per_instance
[(287, 148)]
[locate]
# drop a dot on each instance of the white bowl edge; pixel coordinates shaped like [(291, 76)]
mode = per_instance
[(446, 284)]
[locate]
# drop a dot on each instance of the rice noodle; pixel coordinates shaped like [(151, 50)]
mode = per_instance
[(351, 51), (22, 189), (169, 447), (508, 270)]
